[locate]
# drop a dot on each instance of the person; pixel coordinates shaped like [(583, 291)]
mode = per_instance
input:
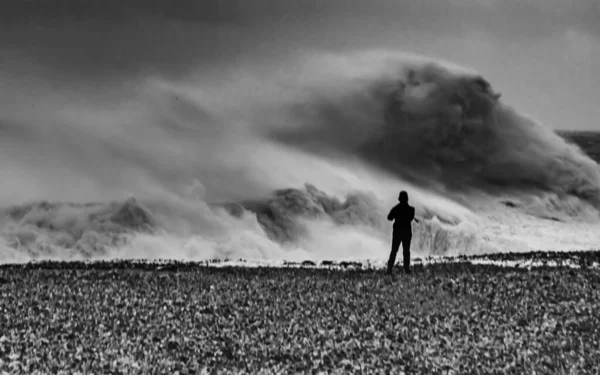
[(402, 214)]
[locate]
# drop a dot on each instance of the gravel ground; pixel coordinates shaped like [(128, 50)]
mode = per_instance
[(125, 317)]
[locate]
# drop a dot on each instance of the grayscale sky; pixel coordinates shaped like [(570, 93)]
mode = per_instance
[(543, 55)]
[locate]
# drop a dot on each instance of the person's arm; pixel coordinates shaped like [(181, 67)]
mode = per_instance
[(413, 217), (391, 215)]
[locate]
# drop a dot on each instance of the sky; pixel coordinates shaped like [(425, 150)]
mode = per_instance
[(542, 55)]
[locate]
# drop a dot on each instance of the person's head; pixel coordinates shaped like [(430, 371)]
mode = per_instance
[(403, 197)]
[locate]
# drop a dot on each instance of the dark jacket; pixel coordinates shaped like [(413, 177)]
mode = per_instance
[(402, 214)]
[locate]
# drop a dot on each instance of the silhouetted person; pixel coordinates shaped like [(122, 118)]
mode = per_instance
[(402, 214)]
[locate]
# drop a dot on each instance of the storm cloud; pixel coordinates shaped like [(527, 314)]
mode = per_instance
[(540, 54)]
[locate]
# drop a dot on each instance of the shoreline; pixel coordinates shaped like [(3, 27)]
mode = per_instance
[(533, 259)]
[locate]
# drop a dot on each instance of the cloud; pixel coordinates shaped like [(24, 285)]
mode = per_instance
[(76, 44), (582, 46), (100, 39)]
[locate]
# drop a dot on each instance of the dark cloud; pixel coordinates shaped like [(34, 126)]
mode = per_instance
[(114, 40), (92, 37)]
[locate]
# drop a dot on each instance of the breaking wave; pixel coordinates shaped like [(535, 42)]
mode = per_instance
[(302, 164), (441, 127)]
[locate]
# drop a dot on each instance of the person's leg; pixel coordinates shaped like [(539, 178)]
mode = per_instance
[(395, 246), (406, 252)]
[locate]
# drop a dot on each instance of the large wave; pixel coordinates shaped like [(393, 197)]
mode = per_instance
[(297, 163), (442, 127)]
